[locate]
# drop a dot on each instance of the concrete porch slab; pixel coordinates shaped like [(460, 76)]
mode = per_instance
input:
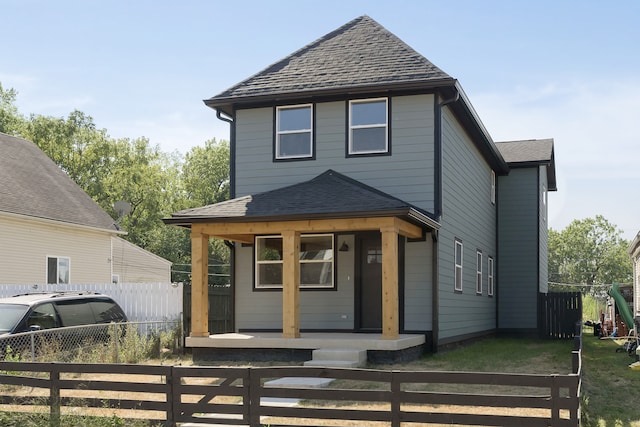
[(307, 341)]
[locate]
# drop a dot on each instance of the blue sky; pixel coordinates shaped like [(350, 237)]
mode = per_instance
[(568, 70)]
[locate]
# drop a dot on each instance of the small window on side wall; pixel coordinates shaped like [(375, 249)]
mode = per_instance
[(368, 127), (490, 277), (458, 266), (479, 273), (294, 132), (58, 270)]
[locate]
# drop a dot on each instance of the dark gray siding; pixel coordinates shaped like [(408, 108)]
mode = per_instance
[(407, 174), (468, 215), (518, 270), (543, 230), (418, 295)]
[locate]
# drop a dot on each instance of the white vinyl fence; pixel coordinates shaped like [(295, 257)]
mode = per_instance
[(141, 302)]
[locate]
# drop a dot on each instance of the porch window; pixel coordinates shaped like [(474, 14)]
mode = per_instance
[(368, 127), (294, 136), (479, 273), (490, 277), (58, 270), (458, 265), (316, 261)]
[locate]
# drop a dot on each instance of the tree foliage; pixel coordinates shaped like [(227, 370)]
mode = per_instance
[(589, 252), (109, 170)]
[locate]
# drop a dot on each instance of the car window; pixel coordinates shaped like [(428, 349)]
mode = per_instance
[(107, 311), (75, 312), (10, 315), (43, 316)]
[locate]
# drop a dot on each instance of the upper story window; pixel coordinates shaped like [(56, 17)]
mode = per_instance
[(368, 129), (458, 265), (294, 132), (58, 270), (316, 261)]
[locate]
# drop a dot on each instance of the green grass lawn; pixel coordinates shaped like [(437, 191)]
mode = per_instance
[(611, 390)]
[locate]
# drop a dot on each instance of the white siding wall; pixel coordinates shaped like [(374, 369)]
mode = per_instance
[(135, 265), (25, 245)]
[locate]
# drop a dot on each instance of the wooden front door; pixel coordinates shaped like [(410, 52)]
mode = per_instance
[(369, 293)]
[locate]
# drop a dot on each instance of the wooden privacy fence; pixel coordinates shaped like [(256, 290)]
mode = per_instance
[(142, 302), (220, 309), (240, 396), (558, 314)]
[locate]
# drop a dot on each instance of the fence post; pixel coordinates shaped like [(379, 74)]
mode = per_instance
[(171, 398), (395, 400), (254, 397), (33, 347), (54, 396)]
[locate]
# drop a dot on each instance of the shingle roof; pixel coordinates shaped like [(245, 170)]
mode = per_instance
[(329, 195), (31, 184), (530, 152), (361, 53)]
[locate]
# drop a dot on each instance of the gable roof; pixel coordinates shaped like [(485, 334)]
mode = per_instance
[(32, 185), (531, 153), (329, 195), (360, 54)]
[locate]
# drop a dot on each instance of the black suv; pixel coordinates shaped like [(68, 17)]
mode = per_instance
[(39, 311)]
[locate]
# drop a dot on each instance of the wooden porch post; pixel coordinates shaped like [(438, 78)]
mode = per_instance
[(199, 284), (291, 284), (390, 305)]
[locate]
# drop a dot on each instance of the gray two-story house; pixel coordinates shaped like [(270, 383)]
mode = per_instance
[(370, 206)]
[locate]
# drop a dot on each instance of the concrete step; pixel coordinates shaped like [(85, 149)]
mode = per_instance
[(295, 382), (348, 354), (332, 363), (338, 358)]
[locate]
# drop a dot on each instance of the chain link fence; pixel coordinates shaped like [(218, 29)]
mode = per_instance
[(127, 342)]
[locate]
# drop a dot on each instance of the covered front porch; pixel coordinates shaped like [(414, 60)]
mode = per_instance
[(328, 206)]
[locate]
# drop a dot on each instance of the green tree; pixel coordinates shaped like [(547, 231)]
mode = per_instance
[(205, 173), (11, 122), (589, 252)]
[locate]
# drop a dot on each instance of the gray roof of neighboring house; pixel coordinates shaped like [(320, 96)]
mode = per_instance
[(528, 153), (329, 195), (31, 184), (360, 54)]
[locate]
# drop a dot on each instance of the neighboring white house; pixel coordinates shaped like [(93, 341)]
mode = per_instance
[(51, 231), (132, 264)]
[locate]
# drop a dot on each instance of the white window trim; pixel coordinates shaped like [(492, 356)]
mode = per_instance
[(457, 276), (544, 202), (287, 132), (257, 285), (58, 258), (490, 284), (369, 126), (479, 272)]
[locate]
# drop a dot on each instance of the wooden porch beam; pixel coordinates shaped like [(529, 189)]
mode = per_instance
[(199, 284), (291, 284), (244, 230), (390, 297)]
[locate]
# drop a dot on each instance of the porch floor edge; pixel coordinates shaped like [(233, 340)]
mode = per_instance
[(309, 341)]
